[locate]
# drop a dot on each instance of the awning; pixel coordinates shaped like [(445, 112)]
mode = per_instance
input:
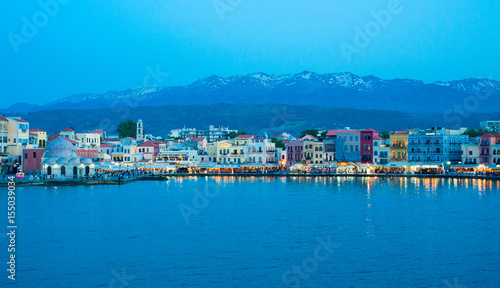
[(396, 165), (206, 165)]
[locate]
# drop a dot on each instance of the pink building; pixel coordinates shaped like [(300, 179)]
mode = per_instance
[(485, 142), (202, 142), (366, 145), (295, 152), (32, 160)]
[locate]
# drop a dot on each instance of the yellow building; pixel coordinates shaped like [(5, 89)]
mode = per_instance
[(313, 151), (399, 142), (39, 138), (4, 128), (17, 136), (229, 153)]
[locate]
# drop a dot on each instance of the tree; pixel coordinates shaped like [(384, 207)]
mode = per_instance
[(471, 132), (278, 143), (312, 132), (233, 134), (385, 134), (323, 134), (127, 129)]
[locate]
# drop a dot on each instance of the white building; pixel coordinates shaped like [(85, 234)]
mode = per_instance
[(61, 159)]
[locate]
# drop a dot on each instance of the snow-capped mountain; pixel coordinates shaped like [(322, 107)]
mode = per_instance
[(305, 88)]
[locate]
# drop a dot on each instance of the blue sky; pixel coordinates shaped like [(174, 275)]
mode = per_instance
[(96, 46)]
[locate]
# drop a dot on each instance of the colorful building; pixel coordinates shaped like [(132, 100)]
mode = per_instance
[(347, 146), (295, 152), (399, 144), (485, 143), (366, 145)]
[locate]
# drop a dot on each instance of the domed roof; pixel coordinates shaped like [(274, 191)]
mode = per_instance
[(62, 161), (60, 148), (74, 161), (86, 161)]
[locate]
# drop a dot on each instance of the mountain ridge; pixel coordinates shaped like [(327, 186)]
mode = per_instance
[(345, 90)]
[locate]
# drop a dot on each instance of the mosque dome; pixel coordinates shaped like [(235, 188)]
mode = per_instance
[(74, 161), (86, 161), (60, 148)]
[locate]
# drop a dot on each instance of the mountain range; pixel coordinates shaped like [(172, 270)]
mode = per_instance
[(339, 90)]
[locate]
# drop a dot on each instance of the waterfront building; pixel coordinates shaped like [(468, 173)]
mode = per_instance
[(329, 145), (347, 146), (295, 152), (17, 136), (231, 152), (32, 160), (495, 154), (181, 158), (313, 151), (4, 133), (381, 150), (105, 151), (399, 144), (366, 145), (38, 137), (470, 154), (485, 143), (281, 157), (436, 147), (60, 158)]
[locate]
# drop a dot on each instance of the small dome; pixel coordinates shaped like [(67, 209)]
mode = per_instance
[(86, 161), (50, 161), (74, 161), (62, 161)]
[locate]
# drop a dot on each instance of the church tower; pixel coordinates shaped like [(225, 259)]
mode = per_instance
[(140, 131)]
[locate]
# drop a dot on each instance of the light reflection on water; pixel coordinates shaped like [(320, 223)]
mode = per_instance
[(393, 232)]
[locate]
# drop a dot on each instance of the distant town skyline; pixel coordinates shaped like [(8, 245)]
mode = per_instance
[(56, 48)]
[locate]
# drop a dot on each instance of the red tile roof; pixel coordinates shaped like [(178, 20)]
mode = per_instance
[(73, 142), (336, 131), (401, 132), (369, 130), (20, 120), (309, 136), (111, 139), (3, 118), (36, 130), (198, 139), (107, 146), (244, 137), (68, 130)]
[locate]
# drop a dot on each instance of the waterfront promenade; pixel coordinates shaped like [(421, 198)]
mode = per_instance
[(165, 177)]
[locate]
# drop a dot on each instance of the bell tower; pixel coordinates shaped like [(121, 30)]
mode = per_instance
[(140, 131)]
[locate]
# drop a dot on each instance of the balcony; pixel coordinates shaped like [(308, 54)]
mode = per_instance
[(398, 146)]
